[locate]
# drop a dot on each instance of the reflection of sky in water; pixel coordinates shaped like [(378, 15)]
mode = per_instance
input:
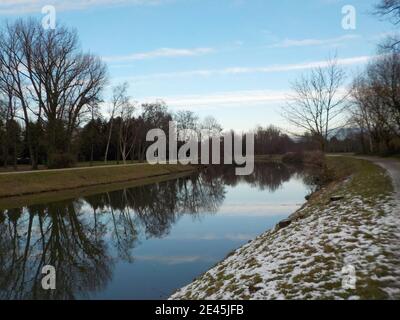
[(142, 242), (195, 244)]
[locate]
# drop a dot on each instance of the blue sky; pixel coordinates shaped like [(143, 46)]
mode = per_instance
[(233, 59)]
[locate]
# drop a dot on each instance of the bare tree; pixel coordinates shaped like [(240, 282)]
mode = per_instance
[(126, 138), (271, 140), (119, 98), (154, 116), (211, 126), (362, 112), (65, 81), (376, 100), (390, 9), (318, 101), (185, 120), (14, 80), (53, 80), (383, 77)]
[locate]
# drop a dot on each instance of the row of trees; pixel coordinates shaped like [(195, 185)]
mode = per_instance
[(123, 136), (50, 97), (47, 85), (51, 92), (376, 97), (368, 112), (375, 93), (364, 118)]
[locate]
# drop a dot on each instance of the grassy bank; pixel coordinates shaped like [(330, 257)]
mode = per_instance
[(305, 259), (33, 183), (268, 158), (84, 164)]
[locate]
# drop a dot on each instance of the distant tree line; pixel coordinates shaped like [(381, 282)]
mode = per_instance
[(122, 138), (50, 98), (376, 98), (51, 95), (50, 106), (375, 93)]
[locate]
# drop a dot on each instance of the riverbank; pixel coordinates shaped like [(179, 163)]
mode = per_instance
[(49, 181), (303, 257), (84, 164)]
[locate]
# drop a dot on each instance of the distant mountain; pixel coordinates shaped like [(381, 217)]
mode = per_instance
[(343, 133)]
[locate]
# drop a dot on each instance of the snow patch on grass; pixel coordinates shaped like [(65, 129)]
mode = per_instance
[(305, 259)]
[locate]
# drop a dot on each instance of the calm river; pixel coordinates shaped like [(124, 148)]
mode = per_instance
[(143, 242)]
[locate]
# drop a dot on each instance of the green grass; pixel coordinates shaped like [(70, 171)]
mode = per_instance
[(86, 164), (397, 157), (62, 195), (368, 180), (268, 158), (83, 164), (19, 184)]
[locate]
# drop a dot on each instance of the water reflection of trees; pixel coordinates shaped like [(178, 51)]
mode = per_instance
[(73, 236), (266, 176), (50, 235), (82, 238)]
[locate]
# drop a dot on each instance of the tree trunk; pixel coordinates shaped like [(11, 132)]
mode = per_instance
[(91, 155), (108, 141), (32, 153), (5, 154), (371, 144), (323, 144), (15, 160)]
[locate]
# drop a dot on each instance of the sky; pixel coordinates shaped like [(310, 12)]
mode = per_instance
[(233, 59)]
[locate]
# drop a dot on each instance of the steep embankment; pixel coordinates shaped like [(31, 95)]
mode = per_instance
[(305, 260)]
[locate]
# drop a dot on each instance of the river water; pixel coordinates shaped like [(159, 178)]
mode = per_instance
[(142, 242)]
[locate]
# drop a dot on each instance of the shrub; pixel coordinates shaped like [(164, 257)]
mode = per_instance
[(321, 177), (293, 158), (315, 158), (61, 160)]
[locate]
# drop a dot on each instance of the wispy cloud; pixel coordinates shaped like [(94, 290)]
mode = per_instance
[(221, 99), (249, 70), (386, 35), (235, 98), (10, 7), (287, 43), (213, 101), (160, 53)]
